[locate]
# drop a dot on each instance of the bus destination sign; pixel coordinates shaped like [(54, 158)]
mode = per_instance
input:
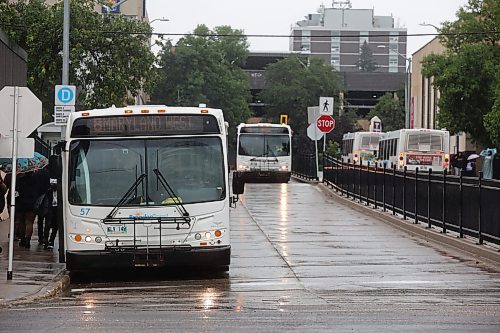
[(140, 125)]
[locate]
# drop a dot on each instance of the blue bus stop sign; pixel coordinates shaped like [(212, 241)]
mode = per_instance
[(65, 95)]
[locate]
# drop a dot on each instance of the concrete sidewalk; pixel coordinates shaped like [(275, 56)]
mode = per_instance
[(37, 274)]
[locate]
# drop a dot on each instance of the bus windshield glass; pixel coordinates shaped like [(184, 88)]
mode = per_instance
[(101, 171), (425, 142), (264, 145)]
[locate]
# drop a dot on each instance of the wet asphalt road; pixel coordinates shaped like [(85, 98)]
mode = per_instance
[(301, 262)]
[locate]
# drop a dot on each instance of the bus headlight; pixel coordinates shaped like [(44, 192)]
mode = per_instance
[(284, 167), (243, 167)]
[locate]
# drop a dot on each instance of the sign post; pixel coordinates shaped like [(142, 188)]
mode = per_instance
[(376, 124), (326, 105), (23, 115), (65, 98), (325, 124)]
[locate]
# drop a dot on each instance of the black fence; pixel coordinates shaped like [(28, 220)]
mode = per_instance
[(467, 205), (304, 166)]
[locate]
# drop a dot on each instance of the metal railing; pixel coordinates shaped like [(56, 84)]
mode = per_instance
[(467, 205), (304, 166)]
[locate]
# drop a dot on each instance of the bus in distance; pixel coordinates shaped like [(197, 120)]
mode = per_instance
[(415, 148), (360, 146), (264, 152), (145, 186)]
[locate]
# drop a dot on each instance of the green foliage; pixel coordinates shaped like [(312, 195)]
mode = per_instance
[(292, 86), (206, 69), (492, 119), (391, 112), (333, 149), (467, 75), (479, 18), (108, 64), (366, 62)]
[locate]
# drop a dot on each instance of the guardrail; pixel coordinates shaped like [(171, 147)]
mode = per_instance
[(467, 205), (304, 166)]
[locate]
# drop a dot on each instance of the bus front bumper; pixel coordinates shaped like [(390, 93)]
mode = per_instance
[(209, 257)]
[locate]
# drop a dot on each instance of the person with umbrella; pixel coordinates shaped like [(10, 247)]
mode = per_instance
[(29, 186), (470, 168)]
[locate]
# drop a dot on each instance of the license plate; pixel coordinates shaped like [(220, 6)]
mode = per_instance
[(116, 229)]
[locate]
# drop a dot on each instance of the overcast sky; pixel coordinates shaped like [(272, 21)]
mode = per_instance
[(277, 16)]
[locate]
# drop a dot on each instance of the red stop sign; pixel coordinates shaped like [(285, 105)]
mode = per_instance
[(325, 123)]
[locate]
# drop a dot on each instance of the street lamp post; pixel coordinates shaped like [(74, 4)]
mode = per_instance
[(407, 85)]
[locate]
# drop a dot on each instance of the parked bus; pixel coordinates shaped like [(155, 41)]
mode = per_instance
[(360, 145), (145, 186), (264, 152), (415, 148)]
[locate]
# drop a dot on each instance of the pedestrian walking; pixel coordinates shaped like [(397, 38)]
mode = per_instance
[(51, 217), (41, 207), (457, 163), (29, 186)]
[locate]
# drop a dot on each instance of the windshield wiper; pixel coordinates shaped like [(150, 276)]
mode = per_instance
[(178, 204), (125, 197), (272, 152)]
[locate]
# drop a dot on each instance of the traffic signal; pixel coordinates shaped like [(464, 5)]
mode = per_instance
[(284, 119)]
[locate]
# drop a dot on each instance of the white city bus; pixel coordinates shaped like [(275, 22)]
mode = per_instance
[(360, 145), (264, 152), (415, 148), (145, 186)]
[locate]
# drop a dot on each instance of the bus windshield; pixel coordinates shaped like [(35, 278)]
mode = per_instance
[(101, 171), (264, 145)]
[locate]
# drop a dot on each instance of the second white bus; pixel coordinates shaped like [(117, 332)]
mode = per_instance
[(415, 148), (360, 146), (264, 152)]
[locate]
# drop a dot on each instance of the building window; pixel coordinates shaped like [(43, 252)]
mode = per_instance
[(363, 37), (305, 45)]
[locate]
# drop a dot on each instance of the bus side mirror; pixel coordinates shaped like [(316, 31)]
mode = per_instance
[(55, 166), (238, 184)]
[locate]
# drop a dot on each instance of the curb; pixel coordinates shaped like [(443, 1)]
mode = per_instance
[(480, 253), (57, 286)]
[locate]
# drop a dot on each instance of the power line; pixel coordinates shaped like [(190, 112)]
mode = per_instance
[(345, 35)]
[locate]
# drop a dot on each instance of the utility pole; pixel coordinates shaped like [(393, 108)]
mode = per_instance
[(66, 24)]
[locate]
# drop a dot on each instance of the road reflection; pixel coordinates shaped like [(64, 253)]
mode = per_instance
[(283, 224)]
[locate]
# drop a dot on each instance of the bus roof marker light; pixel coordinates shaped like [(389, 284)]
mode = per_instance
[(129, 111), (161, 111), (204, 111), (85, 114), (145, 111)]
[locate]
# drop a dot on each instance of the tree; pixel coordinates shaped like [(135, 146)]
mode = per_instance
[(110, 58), (206, 68), (366, 63), (390, 110), (467, 74), (292, 86)]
